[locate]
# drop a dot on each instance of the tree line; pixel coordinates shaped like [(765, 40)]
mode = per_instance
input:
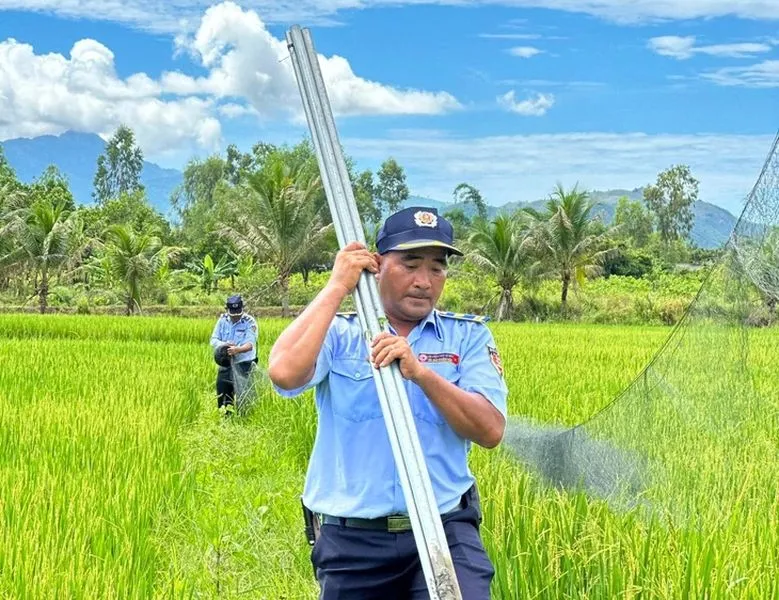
[(236, 212)]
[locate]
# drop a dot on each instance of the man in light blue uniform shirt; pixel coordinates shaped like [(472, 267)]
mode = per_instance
[(454, 380), (234, 341)]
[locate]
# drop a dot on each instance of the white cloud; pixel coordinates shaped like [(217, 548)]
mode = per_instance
[(524, 51), (247, 74), (50, 93), (536, 106), (246, 61), (510, 36), (683, 48), (234, 111), (526, 167), (760, 75), (184, 15)]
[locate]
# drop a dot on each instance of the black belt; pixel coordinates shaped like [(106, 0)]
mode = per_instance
[(390, 523)]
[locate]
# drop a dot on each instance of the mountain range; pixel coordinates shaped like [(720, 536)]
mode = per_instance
[(75, 154), (711, 227)]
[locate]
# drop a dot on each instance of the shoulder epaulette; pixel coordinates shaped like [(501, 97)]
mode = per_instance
[(464, 316)]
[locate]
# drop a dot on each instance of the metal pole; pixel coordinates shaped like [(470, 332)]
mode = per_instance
[(415, 481)]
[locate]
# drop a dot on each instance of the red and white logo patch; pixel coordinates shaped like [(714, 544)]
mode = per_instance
[(439, 357), (495, 359)]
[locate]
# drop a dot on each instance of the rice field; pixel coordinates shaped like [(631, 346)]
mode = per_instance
[(118, 479)]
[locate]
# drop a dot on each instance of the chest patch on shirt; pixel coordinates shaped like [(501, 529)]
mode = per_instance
[(495, 359), (439, 357)]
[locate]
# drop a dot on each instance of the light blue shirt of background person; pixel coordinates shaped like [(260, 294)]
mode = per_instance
[(352, 471), (244, 330)]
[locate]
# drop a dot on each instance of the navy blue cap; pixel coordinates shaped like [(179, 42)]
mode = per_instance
[(235, 305), (416, 227)]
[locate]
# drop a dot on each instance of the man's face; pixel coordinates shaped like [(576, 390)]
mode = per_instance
[(411, 281), (235, 318)]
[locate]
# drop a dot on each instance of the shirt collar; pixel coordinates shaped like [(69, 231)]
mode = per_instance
[(436, 322), (432, 320)]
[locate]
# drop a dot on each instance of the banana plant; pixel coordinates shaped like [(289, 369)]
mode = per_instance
[(211, 273)]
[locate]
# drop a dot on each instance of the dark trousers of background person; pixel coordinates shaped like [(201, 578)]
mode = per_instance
[(371, 564), (225, 386)]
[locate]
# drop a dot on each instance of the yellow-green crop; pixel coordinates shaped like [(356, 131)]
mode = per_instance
[(118, 479)]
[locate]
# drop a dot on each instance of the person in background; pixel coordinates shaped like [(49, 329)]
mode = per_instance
[(234, 341)]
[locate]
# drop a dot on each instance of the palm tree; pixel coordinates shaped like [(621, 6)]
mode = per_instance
[(42, 233), (276, 220), (134, 258), (567, 241), (500, 247), (9, 203)]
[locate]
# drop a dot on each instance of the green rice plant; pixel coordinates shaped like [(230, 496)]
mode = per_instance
[(120, 479)]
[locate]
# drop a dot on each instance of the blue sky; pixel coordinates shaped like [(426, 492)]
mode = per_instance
[(505, 95)]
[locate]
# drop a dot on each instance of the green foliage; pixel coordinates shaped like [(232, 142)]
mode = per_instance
[(568, 243), (633, 222), (211, 273), (392, 190), (173, 501), (41, 230), (364, 190), (131, 209), (670, 200), (274, 219), (669, 253), (461, 224), (258, 222), (628, 261), (119, 167), (465, 193), (134, 258), (7, 173), (500, 248), (197, 190), (52, 187), (200, 203)]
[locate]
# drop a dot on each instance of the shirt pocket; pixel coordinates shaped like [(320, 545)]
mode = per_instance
[(424, 408), (352, 390)]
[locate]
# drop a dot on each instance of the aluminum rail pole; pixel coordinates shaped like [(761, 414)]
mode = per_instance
[(426, 523)]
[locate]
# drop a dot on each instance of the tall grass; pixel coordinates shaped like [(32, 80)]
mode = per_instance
[(90, 437), (120, 479)]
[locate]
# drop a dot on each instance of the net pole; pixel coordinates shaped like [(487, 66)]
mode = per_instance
[(425, 519)]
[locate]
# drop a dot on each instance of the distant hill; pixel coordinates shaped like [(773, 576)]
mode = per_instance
[(711, 228), (75, 154)]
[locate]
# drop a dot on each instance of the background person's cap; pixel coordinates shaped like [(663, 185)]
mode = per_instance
[(235, 305), (416, 227)]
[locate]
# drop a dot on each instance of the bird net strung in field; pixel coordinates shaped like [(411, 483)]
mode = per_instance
[(696, 434), (248, 386)]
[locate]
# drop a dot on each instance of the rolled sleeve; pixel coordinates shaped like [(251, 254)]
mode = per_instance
[(323, 363), (482, 371)]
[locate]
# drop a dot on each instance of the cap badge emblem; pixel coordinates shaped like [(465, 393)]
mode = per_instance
[(424, 218)]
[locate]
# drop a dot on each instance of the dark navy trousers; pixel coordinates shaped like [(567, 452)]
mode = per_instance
[(352, 563), (225, 386)]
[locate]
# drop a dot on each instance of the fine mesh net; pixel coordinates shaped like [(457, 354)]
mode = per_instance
[(695, 435), (248, 386)]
